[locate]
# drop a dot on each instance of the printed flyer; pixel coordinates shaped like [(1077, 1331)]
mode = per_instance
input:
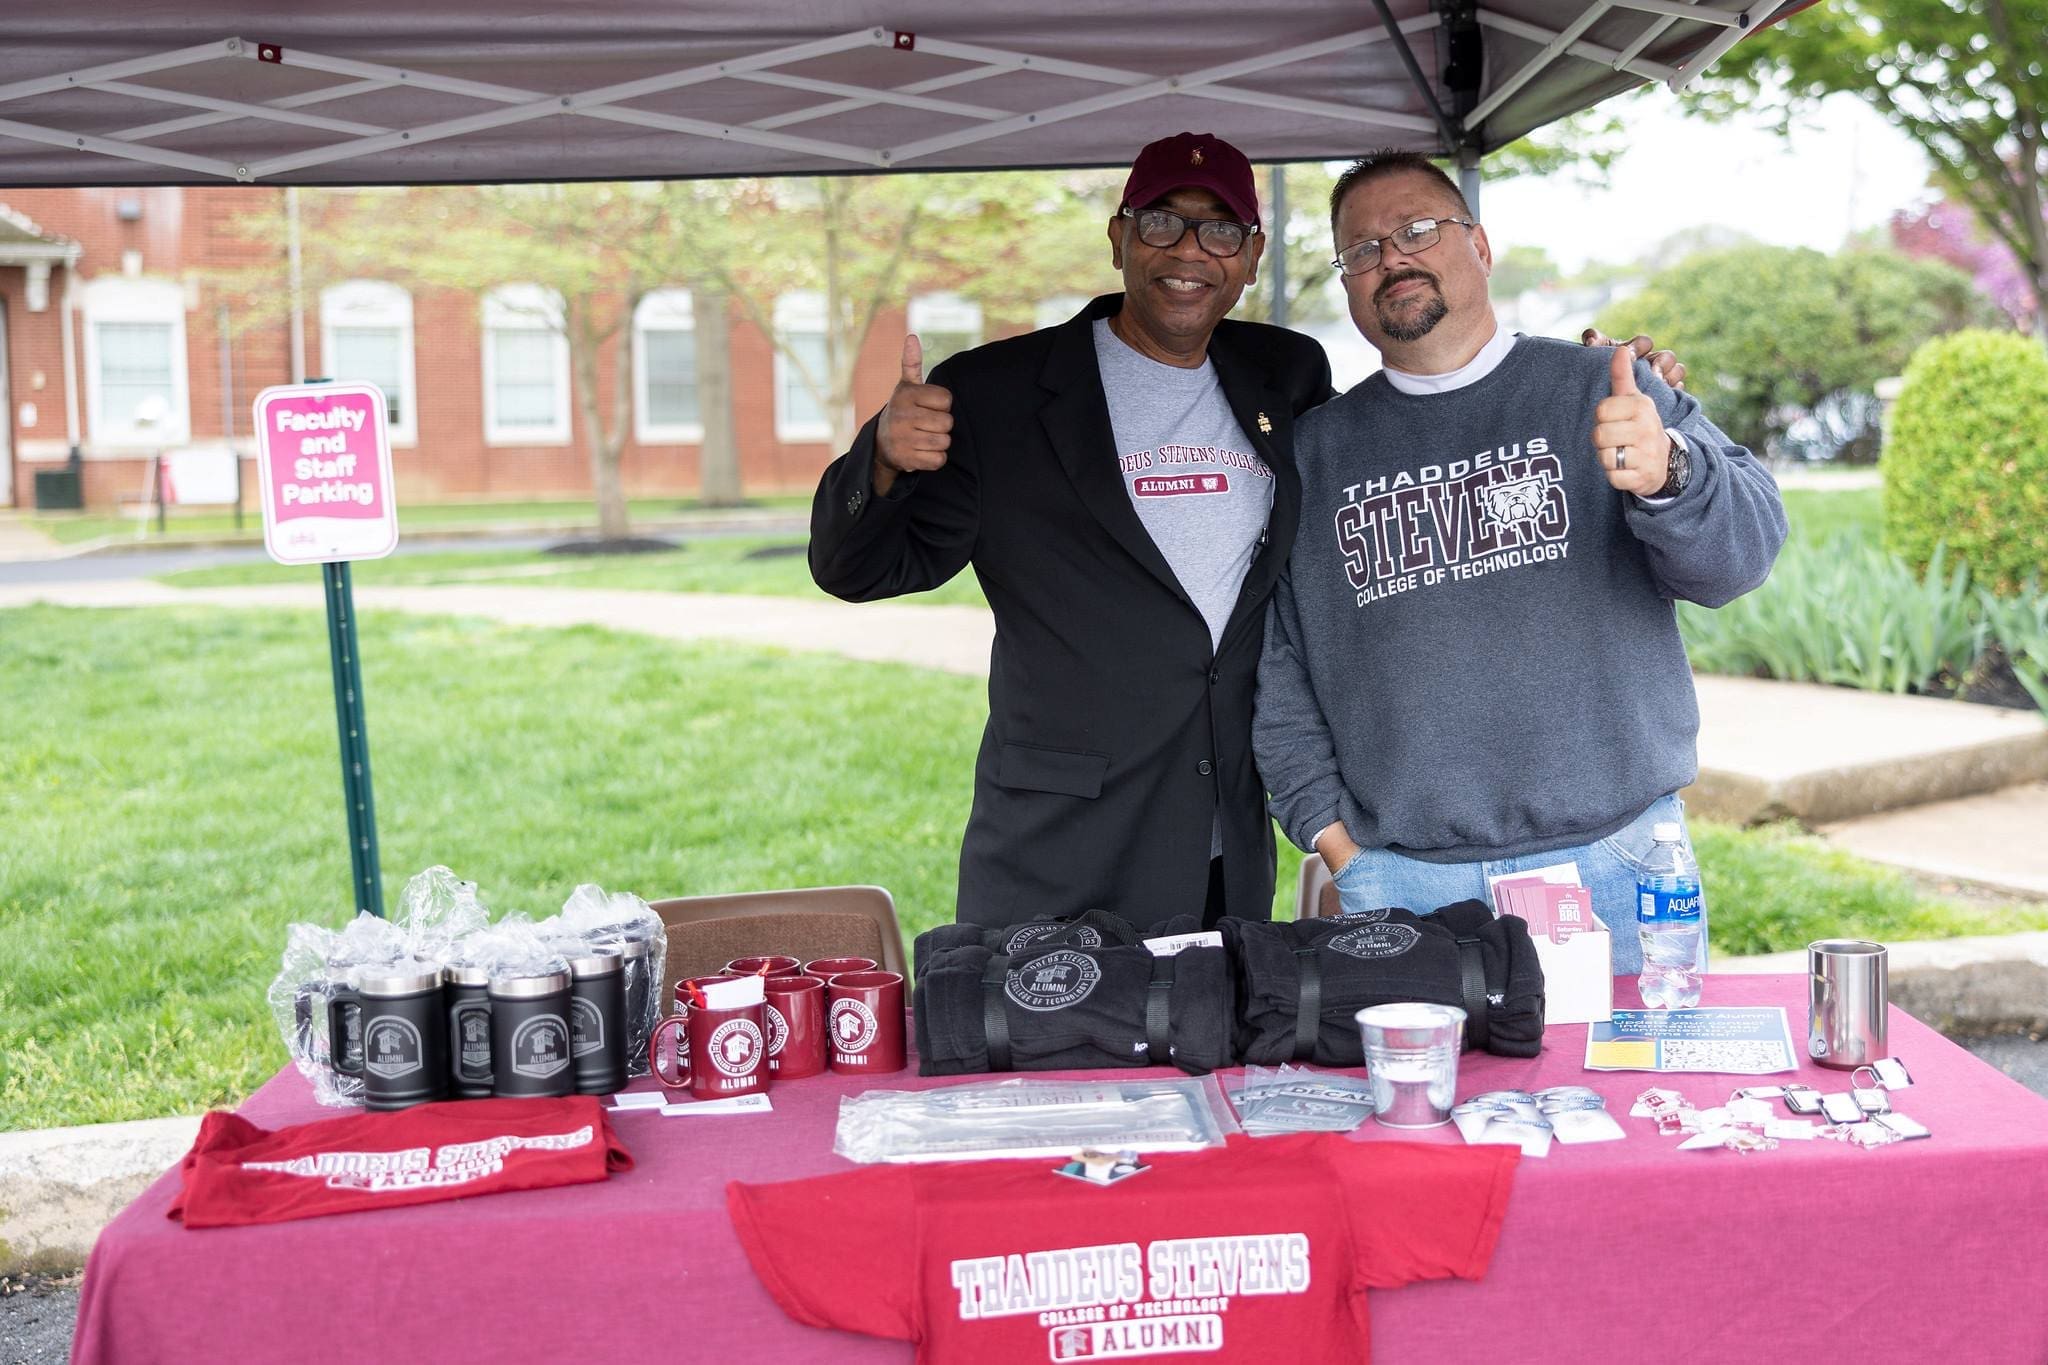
[(1738, 1041)]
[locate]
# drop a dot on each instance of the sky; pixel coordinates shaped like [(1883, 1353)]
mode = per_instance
[(1847, 170), (1843, 170)]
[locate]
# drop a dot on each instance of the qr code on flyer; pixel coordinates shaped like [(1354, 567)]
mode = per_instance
[(1746, 1057)]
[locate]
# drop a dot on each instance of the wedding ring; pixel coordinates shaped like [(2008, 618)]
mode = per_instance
[(1620, 457)]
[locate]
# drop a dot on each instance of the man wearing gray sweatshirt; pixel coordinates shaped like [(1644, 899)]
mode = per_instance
[(1472, 663)]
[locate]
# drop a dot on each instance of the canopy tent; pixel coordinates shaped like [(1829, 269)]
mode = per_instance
[(141, 92)]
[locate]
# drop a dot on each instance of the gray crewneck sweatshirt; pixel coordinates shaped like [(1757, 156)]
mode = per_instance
[(1473, 653)]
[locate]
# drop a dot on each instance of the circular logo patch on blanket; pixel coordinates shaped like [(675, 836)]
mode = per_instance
[(1053, 981), (1376, 940)]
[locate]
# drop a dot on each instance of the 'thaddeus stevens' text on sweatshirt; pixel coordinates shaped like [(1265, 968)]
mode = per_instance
[(1474, 653)]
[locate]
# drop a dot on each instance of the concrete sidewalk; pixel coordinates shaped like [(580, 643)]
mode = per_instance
[(19, 540), (1768, 750)]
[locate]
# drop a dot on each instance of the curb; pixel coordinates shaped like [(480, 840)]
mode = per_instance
[(1973, 986), (60, 1186)]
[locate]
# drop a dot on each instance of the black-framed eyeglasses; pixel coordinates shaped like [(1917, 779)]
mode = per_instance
[(1162, 229), (1414, 238)]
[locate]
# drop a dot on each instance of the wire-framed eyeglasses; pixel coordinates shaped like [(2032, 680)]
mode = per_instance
[(1410, 240), (1162, 229)]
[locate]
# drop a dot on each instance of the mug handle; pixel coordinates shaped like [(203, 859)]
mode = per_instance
[(339, 1002), (677, 1079)]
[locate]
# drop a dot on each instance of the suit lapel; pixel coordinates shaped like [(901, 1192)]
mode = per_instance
[(1262, 412), (1076, 421)]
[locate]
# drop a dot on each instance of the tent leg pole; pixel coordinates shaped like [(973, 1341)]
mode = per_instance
[(1468, 177)]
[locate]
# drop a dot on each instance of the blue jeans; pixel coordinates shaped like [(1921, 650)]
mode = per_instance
[(1607, 867)]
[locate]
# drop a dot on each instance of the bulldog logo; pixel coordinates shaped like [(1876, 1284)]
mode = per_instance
[(1053, 981), (1515, 500)]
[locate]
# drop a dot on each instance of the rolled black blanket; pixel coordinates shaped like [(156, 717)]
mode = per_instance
[(1088, 929), (1052, 1008), (1302, 982)]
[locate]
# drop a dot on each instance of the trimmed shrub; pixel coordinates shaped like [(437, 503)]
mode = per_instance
[(1966, 463)]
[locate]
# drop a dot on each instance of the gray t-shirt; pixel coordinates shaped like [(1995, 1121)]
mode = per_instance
[(1202, 492)]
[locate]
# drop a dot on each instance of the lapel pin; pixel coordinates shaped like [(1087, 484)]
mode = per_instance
[(1265, 425)]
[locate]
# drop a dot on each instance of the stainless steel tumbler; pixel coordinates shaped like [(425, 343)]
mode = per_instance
[(1846, 998)]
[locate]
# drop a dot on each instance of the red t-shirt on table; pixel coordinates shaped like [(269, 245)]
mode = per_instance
[(1261, 1250)]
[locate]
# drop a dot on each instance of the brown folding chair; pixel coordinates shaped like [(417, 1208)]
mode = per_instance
[(706, 932), (1318, 897)]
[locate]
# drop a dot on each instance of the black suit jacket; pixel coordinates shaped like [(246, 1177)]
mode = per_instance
[(1114, 733)]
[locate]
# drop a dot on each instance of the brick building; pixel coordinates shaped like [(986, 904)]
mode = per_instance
[(112, 343)]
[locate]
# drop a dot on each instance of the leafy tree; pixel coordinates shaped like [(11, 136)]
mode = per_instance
[(1768, 333), (1965, 79), (599, 247), (1948, 231), (1521, 268), (865, 244)]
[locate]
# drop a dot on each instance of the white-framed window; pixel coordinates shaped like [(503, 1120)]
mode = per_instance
[(665, 370), (135, 376), (1057, 309), (945, 324), (526, 367), (800, 329), (366, 335)]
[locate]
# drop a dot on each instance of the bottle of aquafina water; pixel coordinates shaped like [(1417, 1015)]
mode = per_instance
[(1672, 916)]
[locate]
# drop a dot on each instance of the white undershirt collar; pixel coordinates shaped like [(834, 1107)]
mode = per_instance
[(1471, 372)]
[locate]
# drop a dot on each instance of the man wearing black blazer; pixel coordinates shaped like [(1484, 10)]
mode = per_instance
[(1127, 535)]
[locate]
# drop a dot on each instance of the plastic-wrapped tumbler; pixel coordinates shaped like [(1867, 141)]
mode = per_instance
[(1411, 1057)]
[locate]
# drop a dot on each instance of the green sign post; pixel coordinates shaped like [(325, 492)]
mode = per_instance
[(324, 467)]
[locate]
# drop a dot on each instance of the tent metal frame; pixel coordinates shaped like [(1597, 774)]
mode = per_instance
[(355, 138)]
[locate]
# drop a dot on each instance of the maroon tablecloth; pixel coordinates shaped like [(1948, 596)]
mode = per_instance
[(1621, 1251)]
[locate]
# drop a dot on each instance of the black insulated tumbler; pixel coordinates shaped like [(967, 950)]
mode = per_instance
[(469, 1033), (597, 1022), (403, 1059), (530, 1054)]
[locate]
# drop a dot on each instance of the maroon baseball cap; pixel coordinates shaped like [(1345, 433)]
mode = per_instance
[(1198, 160)]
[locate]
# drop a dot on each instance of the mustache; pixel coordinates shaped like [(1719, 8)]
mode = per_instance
[(1390, 281)]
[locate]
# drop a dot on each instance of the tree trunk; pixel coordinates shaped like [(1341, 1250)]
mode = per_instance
[(607, 488), (837, 394), (719, 460)]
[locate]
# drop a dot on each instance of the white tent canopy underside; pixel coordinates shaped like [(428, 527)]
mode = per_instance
[(146, 92)]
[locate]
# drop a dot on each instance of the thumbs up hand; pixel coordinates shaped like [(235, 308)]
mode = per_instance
[(1628, 434), (1667, 365), (915, 430)]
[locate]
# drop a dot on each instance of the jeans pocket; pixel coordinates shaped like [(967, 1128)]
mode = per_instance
[(1352, 870)]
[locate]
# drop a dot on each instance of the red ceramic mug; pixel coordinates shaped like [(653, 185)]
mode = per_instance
[(778, 964), (825, 968), (796, 1026), (674, 1033), (864, 1015)]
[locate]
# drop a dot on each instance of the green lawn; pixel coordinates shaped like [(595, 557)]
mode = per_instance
[(1816, 514), (197, 523), (176, 803)]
